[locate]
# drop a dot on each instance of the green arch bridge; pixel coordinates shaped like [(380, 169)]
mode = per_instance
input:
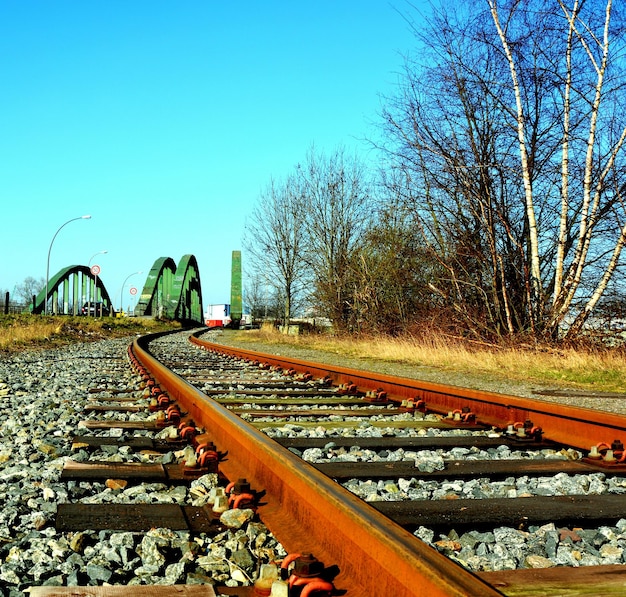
[(171, 291)]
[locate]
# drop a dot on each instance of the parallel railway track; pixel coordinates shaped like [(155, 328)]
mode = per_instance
[(308, 510)]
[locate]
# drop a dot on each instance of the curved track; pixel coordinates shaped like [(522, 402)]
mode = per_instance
[(310, 512), (306, 508), (577, 427)]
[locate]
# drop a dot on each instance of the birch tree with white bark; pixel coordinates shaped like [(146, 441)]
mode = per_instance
[(509, 133)]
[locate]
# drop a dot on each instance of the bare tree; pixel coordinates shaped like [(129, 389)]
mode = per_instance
[(29, 287), (508, 143), (261, 299), (255, 296), (337, 198), (275, 237), (449, 166)]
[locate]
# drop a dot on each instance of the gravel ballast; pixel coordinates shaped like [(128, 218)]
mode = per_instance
[(502, 548), (42, 395)]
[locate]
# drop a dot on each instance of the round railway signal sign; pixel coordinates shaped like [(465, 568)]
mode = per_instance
[(133, 290), (95, 270)]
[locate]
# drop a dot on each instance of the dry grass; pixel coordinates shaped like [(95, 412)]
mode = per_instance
[(20, 332), (598, 369), (585, 368)]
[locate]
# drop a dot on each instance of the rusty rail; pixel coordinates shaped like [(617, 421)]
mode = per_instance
[(574, 426), (309, 512)]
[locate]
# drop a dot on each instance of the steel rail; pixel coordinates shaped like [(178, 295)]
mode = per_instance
[(578, 427), (307, 511)]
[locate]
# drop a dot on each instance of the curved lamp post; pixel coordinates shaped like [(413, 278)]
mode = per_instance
[(91, 258), (122, 291), (45, 308)]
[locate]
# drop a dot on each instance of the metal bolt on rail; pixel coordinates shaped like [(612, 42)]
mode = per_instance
[(347, 388), (594, 453), (377, 396), (531, 431), (525, 431), (187, 431), (221, 504), (240, 495), (462, 415), (159, 401), (204, 459), (413, 404), (307, 575), (172, 413), (214, 493), (612, 455), (190, 462), (303, 377), (207, 457)]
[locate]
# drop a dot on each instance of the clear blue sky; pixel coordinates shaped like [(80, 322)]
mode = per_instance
[(164, 121)]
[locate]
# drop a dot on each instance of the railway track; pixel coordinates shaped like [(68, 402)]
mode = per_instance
[(291, 435)]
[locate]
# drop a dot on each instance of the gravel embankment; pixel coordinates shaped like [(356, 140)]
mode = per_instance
[(501, 548), (42, 394)]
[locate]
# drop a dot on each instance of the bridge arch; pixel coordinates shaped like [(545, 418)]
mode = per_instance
[(188, 290), (169, 291), (172, 292), (69, 289), (157, 288)]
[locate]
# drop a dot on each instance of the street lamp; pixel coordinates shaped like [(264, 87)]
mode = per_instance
[(45, 308), (91, 258), (95, 290), (122, 291)]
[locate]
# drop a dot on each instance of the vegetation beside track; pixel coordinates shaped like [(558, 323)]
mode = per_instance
[(584, 367), (21, 332)]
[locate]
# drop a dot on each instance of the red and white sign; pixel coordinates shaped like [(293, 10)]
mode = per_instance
[(95, 270), (133, 290)]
